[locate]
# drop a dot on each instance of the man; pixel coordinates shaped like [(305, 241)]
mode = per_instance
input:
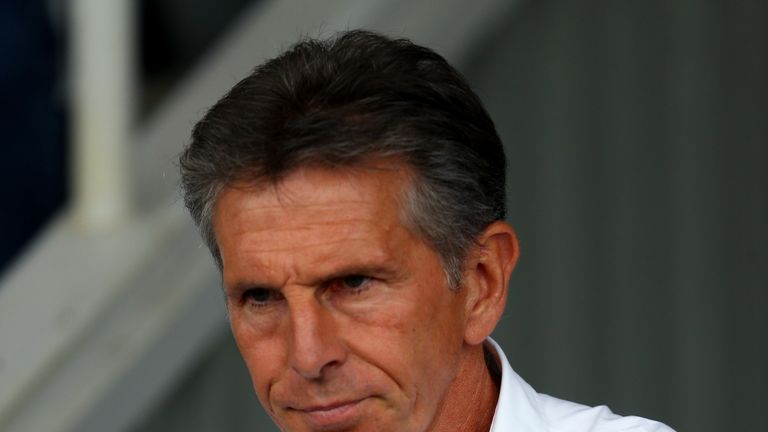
[(352, 193)]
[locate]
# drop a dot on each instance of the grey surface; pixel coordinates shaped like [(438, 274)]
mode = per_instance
[(638, 153), (216, 396)]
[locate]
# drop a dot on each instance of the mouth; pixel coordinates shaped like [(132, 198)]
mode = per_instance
[(337, 415)]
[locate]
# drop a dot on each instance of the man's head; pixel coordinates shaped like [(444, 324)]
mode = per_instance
[(343, 102), (352, 192)]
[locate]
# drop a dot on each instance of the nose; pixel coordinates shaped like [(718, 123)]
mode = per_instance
[(315, 347)]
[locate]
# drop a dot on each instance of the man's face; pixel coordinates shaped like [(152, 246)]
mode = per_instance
[(341, 313)]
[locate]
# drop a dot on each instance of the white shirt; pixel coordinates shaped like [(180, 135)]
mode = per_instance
[(521, 409)]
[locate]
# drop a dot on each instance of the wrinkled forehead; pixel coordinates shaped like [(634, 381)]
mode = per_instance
[(312, 216), (373, 189)]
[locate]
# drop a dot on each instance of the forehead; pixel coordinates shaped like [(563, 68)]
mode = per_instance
[(314, 216), (315, 194)]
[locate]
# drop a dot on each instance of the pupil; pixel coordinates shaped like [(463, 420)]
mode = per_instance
[(259, 295), (354, 281)]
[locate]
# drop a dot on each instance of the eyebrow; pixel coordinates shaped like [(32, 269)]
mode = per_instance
[(241, 287), (380, 271)]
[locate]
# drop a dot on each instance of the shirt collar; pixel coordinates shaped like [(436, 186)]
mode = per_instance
[(518, 407)]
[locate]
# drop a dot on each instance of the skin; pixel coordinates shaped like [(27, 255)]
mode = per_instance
[(342, 313)]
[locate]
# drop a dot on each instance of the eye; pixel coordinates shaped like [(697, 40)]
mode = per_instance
[(260, 297), (355, 282)]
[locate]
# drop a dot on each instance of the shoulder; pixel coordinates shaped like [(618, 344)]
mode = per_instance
[(565, 416)]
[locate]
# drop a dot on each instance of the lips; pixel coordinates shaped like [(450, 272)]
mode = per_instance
[(334, 415)]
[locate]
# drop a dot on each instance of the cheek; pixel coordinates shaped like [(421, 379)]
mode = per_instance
[(437, 335), (414, 370), (415, 340)]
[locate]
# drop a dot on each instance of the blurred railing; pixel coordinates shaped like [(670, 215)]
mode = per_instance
[(102, 69)]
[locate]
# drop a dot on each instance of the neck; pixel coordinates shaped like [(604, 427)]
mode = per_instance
[(471, 401)]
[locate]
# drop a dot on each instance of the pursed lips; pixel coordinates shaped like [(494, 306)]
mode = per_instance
[(330, 414), (324, 406)]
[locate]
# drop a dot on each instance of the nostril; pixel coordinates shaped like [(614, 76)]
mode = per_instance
[(329, 367)]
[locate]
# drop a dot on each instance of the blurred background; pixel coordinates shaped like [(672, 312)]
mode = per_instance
[(637, 139)]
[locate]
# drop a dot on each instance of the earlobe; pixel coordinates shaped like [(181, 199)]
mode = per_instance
[(487, 275)]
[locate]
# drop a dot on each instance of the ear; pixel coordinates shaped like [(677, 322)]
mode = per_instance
[(487, 271)]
